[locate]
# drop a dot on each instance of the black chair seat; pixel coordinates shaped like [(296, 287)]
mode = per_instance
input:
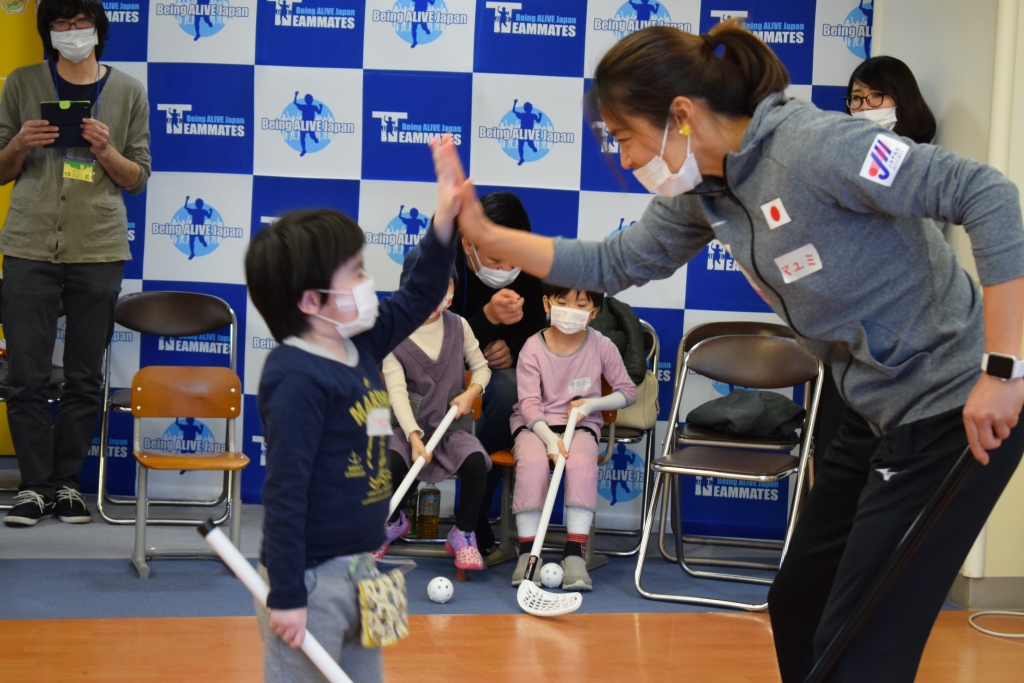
[(624, 434), (121, 399), (695, 433), (747, 464)]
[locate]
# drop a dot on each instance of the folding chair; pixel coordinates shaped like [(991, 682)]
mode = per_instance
[(172, 392), (691, 435), (172, 315), (634, 432), (755, 361)]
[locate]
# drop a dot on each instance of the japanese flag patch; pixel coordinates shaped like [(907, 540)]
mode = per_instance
[(775, 213), (884, 160)]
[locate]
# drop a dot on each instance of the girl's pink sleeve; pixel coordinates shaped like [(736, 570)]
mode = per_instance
[(614, 371), (528, 381)]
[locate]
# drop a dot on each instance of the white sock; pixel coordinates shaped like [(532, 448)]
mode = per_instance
[(527, 523), (578, 520)]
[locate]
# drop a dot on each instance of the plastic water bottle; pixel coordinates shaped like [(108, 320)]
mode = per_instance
[(429, 512)]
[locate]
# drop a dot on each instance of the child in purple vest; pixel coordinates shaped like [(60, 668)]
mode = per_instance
[(425, 375), (561, 368)]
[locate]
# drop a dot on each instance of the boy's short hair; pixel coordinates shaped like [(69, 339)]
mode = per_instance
[(507, 210), (298, 252), (556, 292)]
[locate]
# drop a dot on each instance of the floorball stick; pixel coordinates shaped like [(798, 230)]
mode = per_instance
[(420, 462), (533, 599), (927, 518), (258, 587)]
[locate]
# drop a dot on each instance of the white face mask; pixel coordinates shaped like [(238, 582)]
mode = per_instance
[(569, 320), (657, 178), (886, 118), (443, 307), (492, 277), (74, 45), (363, 299)]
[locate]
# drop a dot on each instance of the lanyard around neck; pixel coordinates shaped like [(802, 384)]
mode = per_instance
[(96, 100)]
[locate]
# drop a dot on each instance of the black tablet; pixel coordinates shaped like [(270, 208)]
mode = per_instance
[(67, 116)]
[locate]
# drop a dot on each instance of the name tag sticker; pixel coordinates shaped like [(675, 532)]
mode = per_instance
[(77, 169), (579, 385), (378, 422), (799, 263)]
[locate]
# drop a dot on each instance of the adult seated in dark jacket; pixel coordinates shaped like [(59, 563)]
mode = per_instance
[(504, 308)]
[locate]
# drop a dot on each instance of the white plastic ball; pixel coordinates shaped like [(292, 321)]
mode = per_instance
[(551, 575), (441, 589)]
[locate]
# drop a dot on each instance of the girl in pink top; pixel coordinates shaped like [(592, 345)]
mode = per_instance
[(560, 368)]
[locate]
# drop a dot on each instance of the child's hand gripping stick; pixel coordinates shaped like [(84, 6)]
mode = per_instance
[(532, 598), (258, 587), (418, 465)]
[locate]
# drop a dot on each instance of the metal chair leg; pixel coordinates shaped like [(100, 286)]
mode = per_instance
[(235, 508), (139, 553)]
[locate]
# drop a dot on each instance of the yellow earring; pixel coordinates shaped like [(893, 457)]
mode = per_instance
[(685, 130)]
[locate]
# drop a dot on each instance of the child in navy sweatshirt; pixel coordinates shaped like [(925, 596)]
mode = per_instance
[(326, 422)]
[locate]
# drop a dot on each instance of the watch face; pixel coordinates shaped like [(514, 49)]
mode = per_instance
[(1000, 366)]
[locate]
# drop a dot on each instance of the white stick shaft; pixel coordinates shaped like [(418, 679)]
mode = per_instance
[(556, 478), (258, 587), (420, 462)]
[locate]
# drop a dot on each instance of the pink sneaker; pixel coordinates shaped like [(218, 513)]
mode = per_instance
[(392, 532), (463, 547)]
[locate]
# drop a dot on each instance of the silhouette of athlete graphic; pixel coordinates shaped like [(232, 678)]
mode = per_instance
[(388, 126), (199, 216), (189, 431), (419, 6), (413, 225), (175, 119), (621, 460), (868, 12), (503, 16), (526, 120), (309, 112), (644, 10), (717, 260), (200, 16)]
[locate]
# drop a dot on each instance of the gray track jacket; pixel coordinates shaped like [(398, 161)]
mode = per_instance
[(828, 216)]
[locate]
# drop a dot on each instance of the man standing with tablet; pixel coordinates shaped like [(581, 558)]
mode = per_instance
[(64, 242)]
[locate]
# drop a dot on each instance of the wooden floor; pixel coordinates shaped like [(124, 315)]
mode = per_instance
[(637, 648)]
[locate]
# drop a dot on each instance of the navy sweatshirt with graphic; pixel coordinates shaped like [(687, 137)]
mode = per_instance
[(328, 483)]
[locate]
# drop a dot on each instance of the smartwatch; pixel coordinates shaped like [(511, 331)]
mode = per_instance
[(1002, 366)]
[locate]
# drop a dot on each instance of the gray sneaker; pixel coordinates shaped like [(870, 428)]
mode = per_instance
[(575, 576), (520, 572)]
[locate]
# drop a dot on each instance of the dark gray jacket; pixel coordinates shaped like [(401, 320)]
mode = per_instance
[(890, 308)]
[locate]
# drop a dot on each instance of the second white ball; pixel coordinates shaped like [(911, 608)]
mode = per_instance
[(551, 575), (441, 589)]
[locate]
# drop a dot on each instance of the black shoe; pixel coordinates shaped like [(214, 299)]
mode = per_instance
[(29, 508), (485, 539), (70, 507)]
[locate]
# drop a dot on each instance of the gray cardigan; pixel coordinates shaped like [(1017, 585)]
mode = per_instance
[(70, 221), (890, 309)]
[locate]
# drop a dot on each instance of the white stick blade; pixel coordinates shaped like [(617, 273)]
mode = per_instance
[(540, 603)]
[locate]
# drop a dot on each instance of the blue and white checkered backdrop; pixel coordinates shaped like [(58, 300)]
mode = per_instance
[(261, 106)]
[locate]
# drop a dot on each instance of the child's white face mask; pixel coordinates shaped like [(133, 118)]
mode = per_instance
[(363, 299), (443, 307), (569, 320)]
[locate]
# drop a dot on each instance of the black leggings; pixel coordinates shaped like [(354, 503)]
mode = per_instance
[(473, 473)]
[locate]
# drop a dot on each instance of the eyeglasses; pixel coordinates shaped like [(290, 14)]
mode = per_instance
[(873, 99), (64, 25)]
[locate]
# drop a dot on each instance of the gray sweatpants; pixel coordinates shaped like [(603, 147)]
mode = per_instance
[(332, 617)]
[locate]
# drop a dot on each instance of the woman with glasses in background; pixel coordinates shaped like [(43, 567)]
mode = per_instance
[(884, 90), (65, 241)]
